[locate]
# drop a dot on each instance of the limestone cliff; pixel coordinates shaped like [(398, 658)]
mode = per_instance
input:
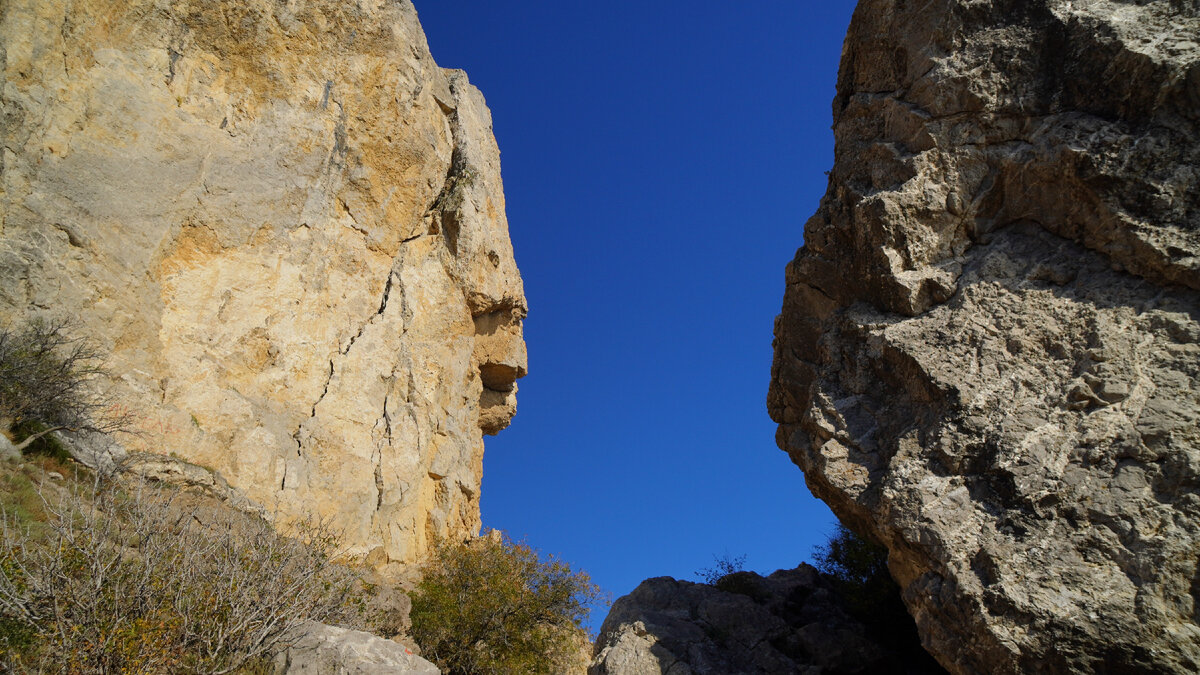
[(287, 225), (989, 349)]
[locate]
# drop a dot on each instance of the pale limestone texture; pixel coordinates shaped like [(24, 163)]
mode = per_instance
[(989, 351), (286, 223), (8, 451), (321, 649)]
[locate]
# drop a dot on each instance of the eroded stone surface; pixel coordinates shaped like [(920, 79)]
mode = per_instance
[(331, 650), (287, 225), (789, 622), (989, 350)]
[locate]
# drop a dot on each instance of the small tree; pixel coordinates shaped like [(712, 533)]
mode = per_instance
[(858, 567), (492, 605), (46, 382)]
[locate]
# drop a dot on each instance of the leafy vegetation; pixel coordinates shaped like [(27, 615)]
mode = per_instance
[(40, 442), (103, 574), (858, 568), (492, 605)]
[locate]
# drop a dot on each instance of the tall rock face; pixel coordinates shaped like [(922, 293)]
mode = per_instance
[(287, 225), (989, 350)]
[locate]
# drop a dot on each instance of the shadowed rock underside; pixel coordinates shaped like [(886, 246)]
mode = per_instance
[(793, 621)]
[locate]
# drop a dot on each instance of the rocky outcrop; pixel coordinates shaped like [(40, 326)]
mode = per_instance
[(176, 473), (286, 224), (790, 622), (8, 451), (321, 649), (989, 350)]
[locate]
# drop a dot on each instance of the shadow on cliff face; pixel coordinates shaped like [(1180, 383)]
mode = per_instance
[(857, 569)]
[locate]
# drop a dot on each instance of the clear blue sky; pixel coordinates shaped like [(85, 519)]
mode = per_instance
[(659, 160)]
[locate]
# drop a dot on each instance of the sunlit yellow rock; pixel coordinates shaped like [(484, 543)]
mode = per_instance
[(287, 224)]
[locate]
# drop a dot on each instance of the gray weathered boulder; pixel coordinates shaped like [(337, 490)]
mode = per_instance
[(790, 622), (330, 650), (989, 350), (8, 451)]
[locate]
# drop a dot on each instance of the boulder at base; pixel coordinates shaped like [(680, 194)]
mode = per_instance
[(330, 650), (792, 621)]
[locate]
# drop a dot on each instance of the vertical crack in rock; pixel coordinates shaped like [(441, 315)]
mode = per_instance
[(445, 208), (378, 482), (325, 389), (344, 353), (325, 94), (388, 442), (383, 302), (387, 292)]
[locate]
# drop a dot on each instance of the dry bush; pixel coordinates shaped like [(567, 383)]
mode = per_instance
[(146, 580), (493, 605), (723, 566), (46, 383)]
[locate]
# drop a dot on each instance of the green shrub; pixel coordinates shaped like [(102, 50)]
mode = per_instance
[(40, 442), (492, 605), (15, 635), (20, 500), (858, 568)]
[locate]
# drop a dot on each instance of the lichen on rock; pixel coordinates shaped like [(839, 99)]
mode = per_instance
[(989, 350), (286, 224)]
